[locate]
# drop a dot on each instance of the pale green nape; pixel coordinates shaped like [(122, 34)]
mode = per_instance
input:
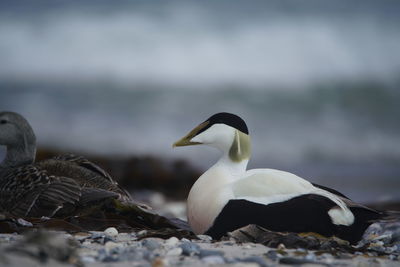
[(241, 147)]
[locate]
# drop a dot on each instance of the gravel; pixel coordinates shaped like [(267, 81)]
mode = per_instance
[(380, 247)]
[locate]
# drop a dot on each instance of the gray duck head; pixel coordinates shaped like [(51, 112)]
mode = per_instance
[(18, 136)]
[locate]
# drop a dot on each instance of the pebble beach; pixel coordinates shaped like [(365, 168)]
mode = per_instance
[(379, 247)]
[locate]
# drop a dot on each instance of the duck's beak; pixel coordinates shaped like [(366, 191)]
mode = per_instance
[(186, 140)]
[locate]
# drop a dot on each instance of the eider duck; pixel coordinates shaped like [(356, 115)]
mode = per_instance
[(56, 187), (227, 196)]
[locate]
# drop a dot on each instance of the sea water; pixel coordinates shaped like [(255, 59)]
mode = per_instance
[(316, 81)]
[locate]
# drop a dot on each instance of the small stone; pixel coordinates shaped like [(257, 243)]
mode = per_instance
[(206, 238), (160, 262), (100, 237), (142, 233), (296, 261), (395, 237), (88, 259), (111, 231), (24, 223), (190, 248), (310, 257), (171, 242), (214, 259), (392, 257), (151, 244), (110, 258), (281, 247), (207, 252), (254, 259), (273, 255), (112, 246), (174, 252)]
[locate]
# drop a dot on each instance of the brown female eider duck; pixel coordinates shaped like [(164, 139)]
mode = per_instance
[(56, 187)]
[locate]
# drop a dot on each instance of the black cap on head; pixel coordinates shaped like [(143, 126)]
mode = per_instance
[(228, 119)]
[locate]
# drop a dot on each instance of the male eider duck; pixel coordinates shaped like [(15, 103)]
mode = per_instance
[(55, 187), (228, 197)]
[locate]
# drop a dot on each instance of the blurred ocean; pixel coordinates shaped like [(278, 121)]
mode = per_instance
[(316, 81)]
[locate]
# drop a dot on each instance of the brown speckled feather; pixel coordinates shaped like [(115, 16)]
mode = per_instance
[(56, 186), (102, 179)]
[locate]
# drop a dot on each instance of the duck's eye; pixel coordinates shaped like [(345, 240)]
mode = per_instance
[(3, 121)]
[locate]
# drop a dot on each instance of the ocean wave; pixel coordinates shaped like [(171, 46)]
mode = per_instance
[(195, 46)]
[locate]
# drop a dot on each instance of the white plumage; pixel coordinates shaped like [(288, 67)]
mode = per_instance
[(228, 196)]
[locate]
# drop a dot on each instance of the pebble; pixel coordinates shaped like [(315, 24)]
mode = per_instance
[(101, 238), (396, 237), (111, 246), (310, 257), (206, 238), (160, 262), (281, 247), (254, 259), (207, 252), (111, 231), (189, 248), (141, 233), (214, 259), (295, 261), (174, 252), (24, 223), (171, 242), (151, 244), (273, 255), (88, 259)]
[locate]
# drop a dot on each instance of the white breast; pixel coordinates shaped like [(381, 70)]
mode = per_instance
[(207, 198)]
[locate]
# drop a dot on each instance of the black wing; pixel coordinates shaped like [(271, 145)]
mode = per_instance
[(305, 213)]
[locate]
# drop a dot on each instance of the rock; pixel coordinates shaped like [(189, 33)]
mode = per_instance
[(111, 246), (254, 259), (213, 259), (88, 259), (298, 261), (206, 238), (141, 233), (134, 255), (160, 262), (273, 255), (171, 242), (45, 246), (190, 248), (174, 252), (24, 223), (150, 244), (111, 232), (281, 247), (395, 237), (101, 238), (207, 252)]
